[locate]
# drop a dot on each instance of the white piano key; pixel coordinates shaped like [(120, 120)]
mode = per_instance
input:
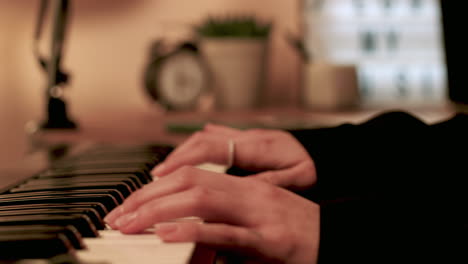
[(113, 247), (117, 248)]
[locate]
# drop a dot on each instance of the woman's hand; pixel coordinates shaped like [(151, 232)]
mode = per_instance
[(242, 215), (275, 155)]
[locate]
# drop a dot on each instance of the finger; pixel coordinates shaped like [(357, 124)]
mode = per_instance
[(147, 193), (218, 236), (161, 170), (180, 180), (209, 131), (254, 153), (214, 149), (187, 144), (288, 178), (206, 204), (260, 149)]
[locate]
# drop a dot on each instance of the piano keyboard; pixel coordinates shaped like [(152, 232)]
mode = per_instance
[(56, 215)]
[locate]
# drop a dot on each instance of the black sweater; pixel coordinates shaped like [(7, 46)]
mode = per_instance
[(392, 189)]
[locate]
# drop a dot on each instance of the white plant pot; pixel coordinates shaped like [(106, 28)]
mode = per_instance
[(237, 66)]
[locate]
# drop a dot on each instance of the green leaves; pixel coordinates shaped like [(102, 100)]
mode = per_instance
[(233, 26)]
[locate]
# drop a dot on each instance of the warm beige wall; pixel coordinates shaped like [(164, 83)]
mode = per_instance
[(14, 69), (108, 43), (106, 51)]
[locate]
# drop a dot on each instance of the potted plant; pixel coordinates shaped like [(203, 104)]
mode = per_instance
[(235, 50)]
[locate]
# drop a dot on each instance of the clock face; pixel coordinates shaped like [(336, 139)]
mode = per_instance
[(182, 78)]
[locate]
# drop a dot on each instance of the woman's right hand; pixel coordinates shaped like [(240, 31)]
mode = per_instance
[(257, 221), (274, 155)]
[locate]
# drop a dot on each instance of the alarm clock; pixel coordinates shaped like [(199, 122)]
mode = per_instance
[(176, 78)]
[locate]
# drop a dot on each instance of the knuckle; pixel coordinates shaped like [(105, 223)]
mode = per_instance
[(264, 145), (194, 138), (198, 134), (271, 177), (151, 213), (283, 237), (199, 137), (267, 177), (309, 164), (136, 197), (309, 167), (308, 172), (152, 208), (267, 190), (201, 142), (272, 193), (185, 176), (194, 233), (200, 196)]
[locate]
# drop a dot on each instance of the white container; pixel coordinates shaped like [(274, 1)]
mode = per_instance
[(330, 86), (237, 66)]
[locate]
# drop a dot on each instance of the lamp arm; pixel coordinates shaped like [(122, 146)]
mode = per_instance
[(58, 37), (57, 117)]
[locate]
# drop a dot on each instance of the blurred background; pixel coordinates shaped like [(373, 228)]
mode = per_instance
[(372, 54)]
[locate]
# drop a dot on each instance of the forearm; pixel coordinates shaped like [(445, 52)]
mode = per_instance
[(391, 189), (367, 158)]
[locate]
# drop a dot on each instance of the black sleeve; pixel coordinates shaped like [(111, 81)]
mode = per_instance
[(391, 189)]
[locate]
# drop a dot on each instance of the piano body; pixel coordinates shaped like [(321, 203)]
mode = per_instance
[(51, 212)]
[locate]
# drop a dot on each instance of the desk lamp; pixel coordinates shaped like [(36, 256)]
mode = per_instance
[(57, 117)]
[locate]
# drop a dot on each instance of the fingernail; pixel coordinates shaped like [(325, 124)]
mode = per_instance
[(125, 219), (118, 211), (165, 228), (157, 170)]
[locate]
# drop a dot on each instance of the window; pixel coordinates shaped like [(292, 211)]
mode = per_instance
[(396, 44)]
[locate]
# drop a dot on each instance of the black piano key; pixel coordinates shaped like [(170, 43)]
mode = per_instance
[(101, 155), (70, 166), (88, 157), (83, 179), (116, 166), (153, 154), (95, 206), (86, 162), (160, 151), (78, 180), (114, 195), (111, 198), (94, 178), (93, 215), (72, 234), (91, 162), (75, 191), (143, 175), (123, 188), (92, 212), (81, 222), (28, 246), (116, 152), (104, 199)]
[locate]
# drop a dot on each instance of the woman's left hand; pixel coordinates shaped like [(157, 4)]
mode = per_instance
[(274, 156)]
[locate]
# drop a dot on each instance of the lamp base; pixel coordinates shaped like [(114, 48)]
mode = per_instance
[(57, 117)]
